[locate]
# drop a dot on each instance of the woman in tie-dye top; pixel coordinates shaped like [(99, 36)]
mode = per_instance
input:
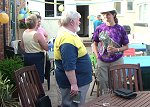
[(110, 40)]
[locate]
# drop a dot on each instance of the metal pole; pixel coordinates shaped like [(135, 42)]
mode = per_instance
[(4, 31), (13, 20)]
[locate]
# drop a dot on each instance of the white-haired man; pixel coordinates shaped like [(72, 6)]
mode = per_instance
[(73, 66)]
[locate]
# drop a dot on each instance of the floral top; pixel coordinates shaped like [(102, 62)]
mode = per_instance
[(115, 36)]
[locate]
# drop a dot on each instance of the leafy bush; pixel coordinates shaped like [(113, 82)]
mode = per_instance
[(8, 66), (22, 24), (6, 90)]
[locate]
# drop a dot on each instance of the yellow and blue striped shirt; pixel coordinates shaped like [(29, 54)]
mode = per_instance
[(71, 54)]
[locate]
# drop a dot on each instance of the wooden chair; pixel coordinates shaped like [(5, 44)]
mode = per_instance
[(9, 52), (126, 76), (96, 82), (28, 85)]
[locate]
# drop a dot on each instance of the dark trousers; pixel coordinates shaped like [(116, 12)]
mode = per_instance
[(38, 60)]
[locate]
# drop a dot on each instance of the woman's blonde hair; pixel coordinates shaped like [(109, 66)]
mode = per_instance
[(31, 21)]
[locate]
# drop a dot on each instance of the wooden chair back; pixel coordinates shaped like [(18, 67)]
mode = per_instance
[(126, 76), (28, 85)]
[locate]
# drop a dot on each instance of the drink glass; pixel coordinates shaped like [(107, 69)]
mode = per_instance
[(106, 93)]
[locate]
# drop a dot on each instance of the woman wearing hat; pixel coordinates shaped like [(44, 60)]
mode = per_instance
[(110, 40)]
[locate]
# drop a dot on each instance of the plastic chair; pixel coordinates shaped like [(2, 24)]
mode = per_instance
[(130, 52), (94, 62), (139, 53)]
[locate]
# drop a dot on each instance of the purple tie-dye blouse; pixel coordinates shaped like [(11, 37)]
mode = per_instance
[(106, 35)]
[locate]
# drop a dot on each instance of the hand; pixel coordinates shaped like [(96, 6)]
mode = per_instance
[(111, 49), (74, 90)]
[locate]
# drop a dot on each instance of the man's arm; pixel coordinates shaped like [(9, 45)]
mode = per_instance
[(73, 81), (69, 55)]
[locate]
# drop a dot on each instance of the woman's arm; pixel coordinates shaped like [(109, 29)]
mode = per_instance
[(22, 44), (40, 39), (123, 48)]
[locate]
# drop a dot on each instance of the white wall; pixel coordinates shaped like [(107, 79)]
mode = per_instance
[(128, 18), (94, 9), (70, 5), (51, 26), (37, 6)]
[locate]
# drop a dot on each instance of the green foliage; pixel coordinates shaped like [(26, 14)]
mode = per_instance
[(6, 90), (8, 66), (22, 24)]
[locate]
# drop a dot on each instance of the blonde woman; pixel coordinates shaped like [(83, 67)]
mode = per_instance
[(34, 45)]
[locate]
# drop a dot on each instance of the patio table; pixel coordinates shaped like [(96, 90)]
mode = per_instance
[(141, 100), (138, 46), (144, 62)]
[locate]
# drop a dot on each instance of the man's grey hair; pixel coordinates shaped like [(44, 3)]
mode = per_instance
[(68, 16)]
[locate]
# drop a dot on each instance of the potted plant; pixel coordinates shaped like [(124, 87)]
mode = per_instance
[(6, 90)]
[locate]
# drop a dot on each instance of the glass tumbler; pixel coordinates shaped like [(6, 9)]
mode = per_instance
[(106, 93)]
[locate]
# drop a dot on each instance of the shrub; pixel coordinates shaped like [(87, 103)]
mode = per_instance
[(8, 66), (6, 90)]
